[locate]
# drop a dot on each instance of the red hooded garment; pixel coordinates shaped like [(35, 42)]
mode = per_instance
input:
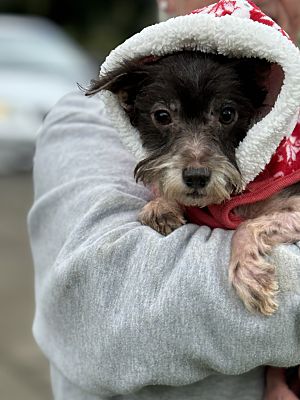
[(269, 156)]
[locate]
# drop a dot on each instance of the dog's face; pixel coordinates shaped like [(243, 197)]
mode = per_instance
[(191, 110)]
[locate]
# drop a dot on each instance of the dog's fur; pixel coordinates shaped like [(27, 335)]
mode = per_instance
[(192, 110)]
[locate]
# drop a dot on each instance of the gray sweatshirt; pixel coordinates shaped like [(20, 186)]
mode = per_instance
[(123, 312)]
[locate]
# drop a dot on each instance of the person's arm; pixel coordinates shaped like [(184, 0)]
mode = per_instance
[(119, 306)]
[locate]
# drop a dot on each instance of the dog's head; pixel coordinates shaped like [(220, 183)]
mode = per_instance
[(191, 110)]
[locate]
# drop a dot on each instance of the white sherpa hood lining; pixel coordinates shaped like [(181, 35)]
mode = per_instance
[(233, 37)]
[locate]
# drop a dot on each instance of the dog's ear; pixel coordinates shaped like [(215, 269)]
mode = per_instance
[(125, 84), (254, 74)]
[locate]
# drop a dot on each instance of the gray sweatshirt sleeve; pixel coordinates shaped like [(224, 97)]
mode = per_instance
[(120, 307)]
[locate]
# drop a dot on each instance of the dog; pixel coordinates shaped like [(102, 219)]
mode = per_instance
[(192, 110)]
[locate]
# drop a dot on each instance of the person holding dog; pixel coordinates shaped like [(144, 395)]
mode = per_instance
[(122, 312)]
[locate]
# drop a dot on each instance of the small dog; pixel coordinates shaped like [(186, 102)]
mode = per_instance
[(192, 110)]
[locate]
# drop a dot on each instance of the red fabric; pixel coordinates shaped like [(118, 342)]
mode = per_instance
[(242, 9), (282, 171)]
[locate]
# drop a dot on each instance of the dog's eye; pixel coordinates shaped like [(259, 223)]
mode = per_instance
[(227, 115), (162, 117)]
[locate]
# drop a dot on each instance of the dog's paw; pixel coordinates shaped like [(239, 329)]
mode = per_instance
[(162, 216), (253, 278), (255, 284)]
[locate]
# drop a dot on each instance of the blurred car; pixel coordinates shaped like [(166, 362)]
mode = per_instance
[(39, 63)]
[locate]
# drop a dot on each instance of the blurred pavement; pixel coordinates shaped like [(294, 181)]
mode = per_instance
[(23, 369)]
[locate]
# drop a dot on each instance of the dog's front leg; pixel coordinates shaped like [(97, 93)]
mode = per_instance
[(251, 275), (162, 215)]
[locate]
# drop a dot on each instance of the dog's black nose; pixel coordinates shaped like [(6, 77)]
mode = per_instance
[(196, 178)]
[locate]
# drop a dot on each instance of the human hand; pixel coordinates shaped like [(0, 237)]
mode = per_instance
[(277, 387), (280, 392)]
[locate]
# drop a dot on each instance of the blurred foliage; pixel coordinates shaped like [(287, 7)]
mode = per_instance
[(98, 25)]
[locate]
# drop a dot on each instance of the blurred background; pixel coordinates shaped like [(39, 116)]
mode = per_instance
[(46, 47)]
